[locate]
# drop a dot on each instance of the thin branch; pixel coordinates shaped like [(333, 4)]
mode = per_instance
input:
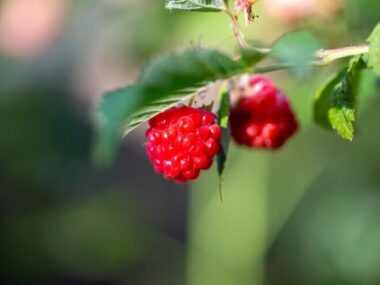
[(328, 56), (235, 25), (324, 57)]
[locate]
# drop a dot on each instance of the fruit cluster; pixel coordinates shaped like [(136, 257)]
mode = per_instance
[(262, 118), (184, 140)]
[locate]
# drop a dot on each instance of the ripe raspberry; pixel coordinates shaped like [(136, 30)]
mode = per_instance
[(182, 141), (262, 118)]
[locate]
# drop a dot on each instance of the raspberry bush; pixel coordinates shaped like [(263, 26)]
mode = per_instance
[(261, 117)]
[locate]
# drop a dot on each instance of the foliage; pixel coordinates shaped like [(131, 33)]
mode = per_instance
[(185, 73), (223, 116), (374, 52), (167, 80), (296, 48), (335, 103)]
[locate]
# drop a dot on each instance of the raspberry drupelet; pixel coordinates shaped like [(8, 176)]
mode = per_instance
[(263, 117), (182, 141)]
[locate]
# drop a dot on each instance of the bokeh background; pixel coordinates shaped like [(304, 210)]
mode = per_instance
[(307, 214)]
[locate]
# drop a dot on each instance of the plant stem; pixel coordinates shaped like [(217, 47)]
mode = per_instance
[(324, 57), (328, 56), (235, 26)]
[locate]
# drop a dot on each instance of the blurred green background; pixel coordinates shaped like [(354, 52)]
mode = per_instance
[(308, 214)]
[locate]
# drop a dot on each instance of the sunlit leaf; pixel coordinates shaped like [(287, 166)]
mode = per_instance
[(336, 101)]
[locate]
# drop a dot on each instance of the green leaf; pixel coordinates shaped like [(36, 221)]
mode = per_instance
[(342, 111), (322, 103), (185, 74), (161, 84), (223, 117), (195, 5), (147, 112), (342, 120), (192, 68), (296, 48), (155, 84), (374, 51), (250, 56), (111, 112), (336, 100)]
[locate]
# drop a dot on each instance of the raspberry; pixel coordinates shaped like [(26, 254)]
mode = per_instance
[(182, 141), (263, 118)]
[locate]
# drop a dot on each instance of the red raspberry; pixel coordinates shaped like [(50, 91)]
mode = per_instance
[(263, 118), (182, 141)]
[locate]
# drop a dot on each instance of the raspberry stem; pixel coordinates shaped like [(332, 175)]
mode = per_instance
[(324, 57), (239, 35), (328, 56)]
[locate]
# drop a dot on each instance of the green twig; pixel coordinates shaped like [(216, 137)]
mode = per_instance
[(239, 35), (323, 57), (328, 56)]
